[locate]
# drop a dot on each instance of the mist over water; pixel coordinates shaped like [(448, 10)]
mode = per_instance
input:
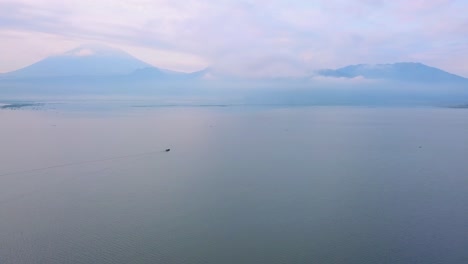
[(240, 185)]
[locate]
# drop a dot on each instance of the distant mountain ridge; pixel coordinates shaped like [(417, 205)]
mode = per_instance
[(99, 70), (402, 71), (91, 63)]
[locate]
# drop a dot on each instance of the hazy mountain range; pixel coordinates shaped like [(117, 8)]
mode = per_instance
[(92, 62), (102, 63), (402, 71), (100, 70)]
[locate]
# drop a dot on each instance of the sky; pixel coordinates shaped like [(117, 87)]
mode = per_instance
[(245, 38)]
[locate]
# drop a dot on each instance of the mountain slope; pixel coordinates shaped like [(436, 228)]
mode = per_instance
[(403, 71), (86, 60)]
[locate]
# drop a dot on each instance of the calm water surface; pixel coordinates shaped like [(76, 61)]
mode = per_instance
[(298, 185)]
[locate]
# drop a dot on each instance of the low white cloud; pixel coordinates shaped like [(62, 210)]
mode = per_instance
[(343, 80), (83, 53)]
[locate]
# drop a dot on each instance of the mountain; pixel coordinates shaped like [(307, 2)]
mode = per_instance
[(403, 71), (86, 60)]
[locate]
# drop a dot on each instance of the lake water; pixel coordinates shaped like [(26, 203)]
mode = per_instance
[(240, 185)]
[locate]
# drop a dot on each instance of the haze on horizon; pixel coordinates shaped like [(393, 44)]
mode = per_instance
[(245, 38)]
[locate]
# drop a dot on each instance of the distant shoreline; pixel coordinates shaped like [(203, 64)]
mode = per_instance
[(18, 105)]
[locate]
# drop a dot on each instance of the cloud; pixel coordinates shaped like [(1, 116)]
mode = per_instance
[(252, 38), (342, 80), (83, 53)]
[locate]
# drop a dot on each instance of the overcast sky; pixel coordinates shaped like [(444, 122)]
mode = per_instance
[(254, 37)]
